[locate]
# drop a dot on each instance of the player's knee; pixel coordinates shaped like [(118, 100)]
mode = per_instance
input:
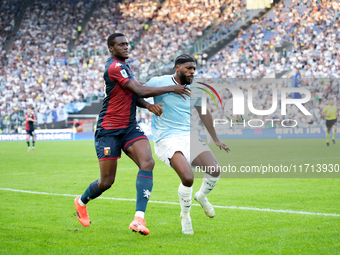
[(188, 181), (148, 164), (105, 183), (215, 174), (214, 171)]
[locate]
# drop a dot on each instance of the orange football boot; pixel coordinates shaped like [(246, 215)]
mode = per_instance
[(82, 215), (138, 225)]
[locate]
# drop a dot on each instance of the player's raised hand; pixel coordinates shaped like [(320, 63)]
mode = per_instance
[(156, 109), (182, 90), (222, 145)]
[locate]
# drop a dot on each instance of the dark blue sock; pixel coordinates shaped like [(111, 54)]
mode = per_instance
[(28, 144), (144, 185), (91, 192), (33, 143)]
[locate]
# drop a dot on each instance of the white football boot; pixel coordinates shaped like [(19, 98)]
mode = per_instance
[(207, 207), (186, 225)]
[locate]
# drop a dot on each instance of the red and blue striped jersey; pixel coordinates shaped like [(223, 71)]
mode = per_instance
[(119, 105), (29, 124)]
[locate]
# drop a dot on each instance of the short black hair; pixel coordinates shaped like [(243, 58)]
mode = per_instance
[(183, 58), (112, 37)]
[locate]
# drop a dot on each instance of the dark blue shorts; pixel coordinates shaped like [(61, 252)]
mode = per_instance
[(109, 146), (30, 132)]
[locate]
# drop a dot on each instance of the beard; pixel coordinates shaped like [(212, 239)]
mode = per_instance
[(183, 79)]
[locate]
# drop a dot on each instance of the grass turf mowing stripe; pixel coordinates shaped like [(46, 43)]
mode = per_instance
[(175, 203), (74, 171)]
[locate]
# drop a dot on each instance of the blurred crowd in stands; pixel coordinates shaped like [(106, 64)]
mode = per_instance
[(300, 37), (130, 18), (310, 29), (8, 12)]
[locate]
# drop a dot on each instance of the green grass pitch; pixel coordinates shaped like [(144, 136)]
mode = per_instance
[(33, 223)]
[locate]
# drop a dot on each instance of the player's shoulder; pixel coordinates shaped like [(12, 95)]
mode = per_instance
[(163, 79), (109, 61), (115, 65)]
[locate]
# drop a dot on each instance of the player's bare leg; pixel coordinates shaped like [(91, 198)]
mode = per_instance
[(28, 142), (140, 153), (334, 133), (33, 142), (183, 169), (207, 159), (327, 135), (108, 170)]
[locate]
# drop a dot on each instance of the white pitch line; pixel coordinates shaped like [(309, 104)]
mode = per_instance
[(176, 203)]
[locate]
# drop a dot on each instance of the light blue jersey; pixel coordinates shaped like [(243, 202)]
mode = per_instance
[(175, 120)]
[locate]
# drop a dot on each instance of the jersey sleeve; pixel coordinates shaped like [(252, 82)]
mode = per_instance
[(325, 110), (120, 74), (153, 82)]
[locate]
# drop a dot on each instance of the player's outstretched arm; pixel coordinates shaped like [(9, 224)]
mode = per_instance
[(146, 91), (154, 108), (208, 123)]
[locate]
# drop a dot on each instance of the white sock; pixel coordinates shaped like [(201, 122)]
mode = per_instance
[(139, 214), (185, 194), (81, 202), (208, 184)]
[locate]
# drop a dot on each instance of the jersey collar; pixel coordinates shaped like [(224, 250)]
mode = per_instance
[(173, 79), (118, 60)]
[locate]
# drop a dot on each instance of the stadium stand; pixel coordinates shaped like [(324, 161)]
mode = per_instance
[(48, 26), (173, 31), (253, 54), (128, 18), (8, 12), (39, 71)]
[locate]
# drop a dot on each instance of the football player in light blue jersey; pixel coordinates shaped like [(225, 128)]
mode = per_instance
[(171, 134)]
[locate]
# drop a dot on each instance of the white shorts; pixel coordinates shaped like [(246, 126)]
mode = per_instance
[(167, 147)]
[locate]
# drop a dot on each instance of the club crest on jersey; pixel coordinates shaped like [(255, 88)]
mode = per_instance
[(107, 151), (124, 73)]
